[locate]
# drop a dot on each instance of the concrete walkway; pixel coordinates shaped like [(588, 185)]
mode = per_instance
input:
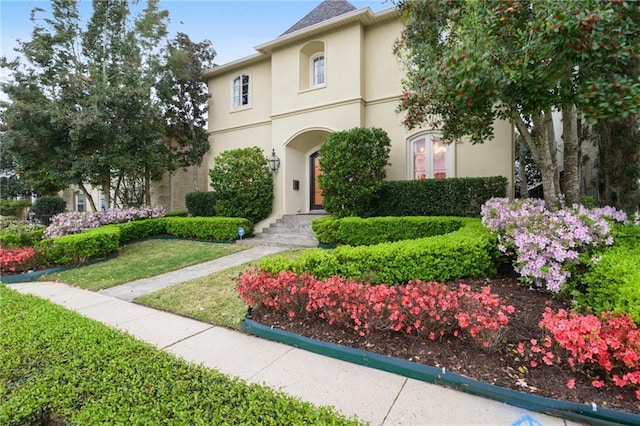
[(375, 396)]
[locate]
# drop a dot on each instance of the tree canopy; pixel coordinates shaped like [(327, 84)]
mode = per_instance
[(91, 104), (470, 62)]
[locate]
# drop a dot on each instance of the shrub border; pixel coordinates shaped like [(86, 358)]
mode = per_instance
[(565, 409)]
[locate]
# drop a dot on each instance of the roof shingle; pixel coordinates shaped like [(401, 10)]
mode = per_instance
[(326, 10)]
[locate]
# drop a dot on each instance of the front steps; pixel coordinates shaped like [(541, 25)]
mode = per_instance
[(291, 230)]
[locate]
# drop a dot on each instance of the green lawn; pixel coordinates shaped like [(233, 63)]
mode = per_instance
[(144, 259), (212, 299)]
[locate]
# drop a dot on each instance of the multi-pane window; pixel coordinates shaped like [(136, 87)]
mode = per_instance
[(241, 91), (430, 157), (79, 202), (318, 70)]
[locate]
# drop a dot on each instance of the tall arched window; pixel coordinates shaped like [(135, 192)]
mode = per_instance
[(430, 157), (241, 91), (313, 65)]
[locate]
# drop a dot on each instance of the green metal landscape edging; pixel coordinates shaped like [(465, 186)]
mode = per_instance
[(591, 414), (33, 276)]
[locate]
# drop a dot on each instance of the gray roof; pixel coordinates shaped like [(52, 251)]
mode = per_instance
[(326, 10)]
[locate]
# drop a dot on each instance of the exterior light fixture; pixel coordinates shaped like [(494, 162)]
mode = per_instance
[(274, 161)]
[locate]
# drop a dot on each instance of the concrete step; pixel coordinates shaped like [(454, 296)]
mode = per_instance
[(289, 230)]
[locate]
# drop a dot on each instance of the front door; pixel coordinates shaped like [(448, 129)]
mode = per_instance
[(315, 191)]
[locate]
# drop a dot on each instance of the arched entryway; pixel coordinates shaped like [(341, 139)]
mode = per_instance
[(302, 167)]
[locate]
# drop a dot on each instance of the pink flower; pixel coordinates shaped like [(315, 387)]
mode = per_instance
[(571, 383), (597, 383)]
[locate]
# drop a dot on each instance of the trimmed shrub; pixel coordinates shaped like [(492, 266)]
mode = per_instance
[(57, 367), (46, 207), (201, 203), (353, 169), (613, 283), (207, 228), (471, 251), (13, 207), (243, 184), (23, 235), (438, 197), (355, 231), (77, 248)]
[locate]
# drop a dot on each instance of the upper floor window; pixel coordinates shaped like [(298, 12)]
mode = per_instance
[(431, 157), (313, 71), (318, 69), (241, 91)]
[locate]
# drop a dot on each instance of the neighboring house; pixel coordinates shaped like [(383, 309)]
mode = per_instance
[(333, 70), (77, 201)]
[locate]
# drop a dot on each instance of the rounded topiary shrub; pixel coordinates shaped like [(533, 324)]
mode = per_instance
[(353, 169), (243, 184), (45, 208)]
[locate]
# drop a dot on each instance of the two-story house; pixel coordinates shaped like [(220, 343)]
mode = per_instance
[(333, 70)]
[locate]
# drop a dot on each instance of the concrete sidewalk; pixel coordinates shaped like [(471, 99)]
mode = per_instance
[(375, 396)]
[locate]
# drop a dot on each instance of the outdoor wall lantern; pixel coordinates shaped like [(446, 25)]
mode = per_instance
[(274, 161)]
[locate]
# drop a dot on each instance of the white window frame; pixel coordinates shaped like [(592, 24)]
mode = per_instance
[(238, 92), (80, 202), (428, 138), (312, 69)]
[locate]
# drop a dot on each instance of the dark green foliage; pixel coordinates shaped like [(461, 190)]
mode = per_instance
[(139, 229), (613, 284), (46, 207), (353, 169), (243, 183), (177, 213), (21, 235), (57, 367), (471, 251), (210, 228), (13, 207), (355, 231), (78, 248), (438, 197), (201, 203)]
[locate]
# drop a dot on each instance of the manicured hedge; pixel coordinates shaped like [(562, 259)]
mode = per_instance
[(105, 240), (355, 231), (57, 367), (208, 228), (78, 248), (613, 284), (438, 197), (21, 235), (201, 203), (471, 251)]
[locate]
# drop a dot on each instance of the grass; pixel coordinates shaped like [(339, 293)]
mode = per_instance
[(212, 299), (144, 259), (57, 367)]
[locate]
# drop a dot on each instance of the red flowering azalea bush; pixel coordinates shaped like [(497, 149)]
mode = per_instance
[(608, 347), (418, 308), (17, 259)]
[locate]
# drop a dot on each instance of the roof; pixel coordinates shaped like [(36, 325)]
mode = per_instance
[(326, 10)]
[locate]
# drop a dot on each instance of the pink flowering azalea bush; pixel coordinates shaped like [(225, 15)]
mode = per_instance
[(74, 222), (544, 242), (16, 259), (426, 309), (608, 347)]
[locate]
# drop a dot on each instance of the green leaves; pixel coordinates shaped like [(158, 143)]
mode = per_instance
[(353, 165), (243, 184)]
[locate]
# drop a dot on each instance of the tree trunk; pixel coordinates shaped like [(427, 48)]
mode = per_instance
[(571, 179), (88, 196), (106, 187), (522, 169), (542, 145), (147, 186)]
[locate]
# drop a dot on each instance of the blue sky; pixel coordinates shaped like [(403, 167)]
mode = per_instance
[(234, 27)]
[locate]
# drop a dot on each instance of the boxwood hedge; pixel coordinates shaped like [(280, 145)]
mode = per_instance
[(57, 367), (470, 251)]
